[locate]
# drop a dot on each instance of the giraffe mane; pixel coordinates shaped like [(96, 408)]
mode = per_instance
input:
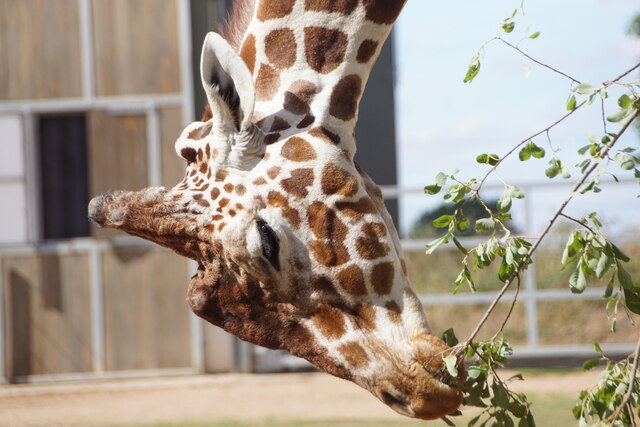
[(237, 22)]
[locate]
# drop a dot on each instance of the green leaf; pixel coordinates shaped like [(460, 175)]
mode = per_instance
[(485, 224), (490, 159), (449, 337), (619, 254), (474, 69), (535, 35), (627, 161), (448, 422), (505, 271), (507, 27), (584, 89), (432, 189), (571, 103), (604, 262), (443, 221), (590, 364), (450, 362), (620, 115), (460, 247), (597, 347), (624, 101), (463, 224), (625, 278), (441, 179), (632, 301), (504, 202), (554, 168), (577, 281)]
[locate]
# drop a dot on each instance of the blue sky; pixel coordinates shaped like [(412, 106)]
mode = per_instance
[(443, 123)]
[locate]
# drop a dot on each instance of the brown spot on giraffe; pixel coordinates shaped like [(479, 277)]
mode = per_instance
[(240, 190), (215, 193), (343, 103), (221, 175), (189, 154), (336, 180), (383, 12), (325, 135), (279, 200), (298, 182), (248, 52), (329, 321), (306, 121), (273, 172), (393, 311), (324, 223), (298, 97), (329, 253), (201, 131), (280, 48), (204, 167), (354, 354), (272, 9), (322, 284), (324, 48), (279, 124), (374, 229), (367, 317), (271, 138), (223, 202), (267, 82), (369, 245), (382, 277), (297, 150), (259, 181), (351, 279), (357, 210), (366, 50), (336, 6), (217, 217), (228, 187)]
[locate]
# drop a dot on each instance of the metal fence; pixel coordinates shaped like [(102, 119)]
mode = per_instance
[(247, 357)]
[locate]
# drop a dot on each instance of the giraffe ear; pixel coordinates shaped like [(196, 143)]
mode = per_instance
[(227, 83)]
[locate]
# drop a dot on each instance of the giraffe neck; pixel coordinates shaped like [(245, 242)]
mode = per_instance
[(310, 61)]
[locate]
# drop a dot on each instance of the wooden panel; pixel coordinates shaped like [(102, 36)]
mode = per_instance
[(146, 317), (39, 49), (173, 167), (117, 156), (47, 303), (136, 46)]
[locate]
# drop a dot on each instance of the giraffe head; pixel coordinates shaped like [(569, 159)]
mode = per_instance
[(294, 246)]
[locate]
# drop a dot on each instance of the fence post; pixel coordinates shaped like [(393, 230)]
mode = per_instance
[(97, 309), (531, 302)]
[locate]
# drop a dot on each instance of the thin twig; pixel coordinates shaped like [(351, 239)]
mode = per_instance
[(546, 230), (622, 75), (542, 64), (578, 222), (632, 380)]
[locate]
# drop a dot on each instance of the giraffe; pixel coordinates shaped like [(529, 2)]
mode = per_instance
[(294, 246)]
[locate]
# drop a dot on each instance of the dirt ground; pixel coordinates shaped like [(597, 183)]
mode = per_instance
[(216, 397)]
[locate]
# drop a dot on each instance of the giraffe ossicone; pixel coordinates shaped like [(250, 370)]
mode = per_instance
[(294, 246)]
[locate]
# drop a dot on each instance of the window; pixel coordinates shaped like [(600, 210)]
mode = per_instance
[(63, 176)]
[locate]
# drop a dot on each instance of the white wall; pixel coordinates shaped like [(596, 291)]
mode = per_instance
[(13, 209)]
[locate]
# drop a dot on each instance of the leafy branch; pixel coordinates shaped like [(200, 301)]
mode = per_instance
[(587, 251)]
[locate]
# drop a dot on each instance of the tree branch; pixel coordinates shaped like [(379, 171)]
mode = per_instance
[(546, 230), (632, 381)]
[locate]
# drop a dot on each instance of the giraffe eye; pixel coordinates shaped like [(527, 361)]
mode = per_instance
[(270, 245)]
